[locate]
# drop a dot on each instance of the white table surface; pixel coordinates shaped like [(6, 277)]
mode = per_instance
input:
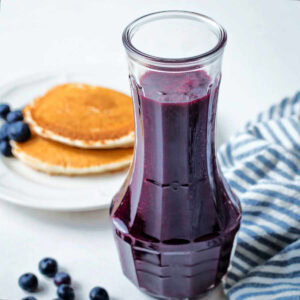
[(261, 66)]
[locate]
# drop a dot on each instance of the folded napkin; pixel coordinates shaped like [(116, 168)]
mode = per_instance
[(262, 165)]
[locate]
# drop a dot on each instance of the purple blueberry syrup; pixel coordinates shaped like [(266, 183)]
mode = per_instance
[(175, 217)]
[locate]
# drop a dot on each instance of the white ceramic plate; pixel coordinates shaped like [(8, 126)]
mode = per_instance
[(23, 186)]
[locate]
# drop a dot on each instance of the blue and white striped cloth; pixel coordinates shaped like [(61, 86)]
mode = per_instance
[(262, 165)]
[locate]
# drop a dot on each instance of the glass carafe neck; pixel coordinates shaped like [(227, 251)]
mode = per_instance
[(176, 113)]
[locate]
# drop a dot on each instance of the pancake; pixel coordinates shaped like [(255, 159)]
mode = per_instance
[(56, 158), (84, 116)]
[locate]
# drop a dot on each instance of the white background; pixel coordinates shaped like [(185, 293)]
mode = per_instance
[(261, 66)]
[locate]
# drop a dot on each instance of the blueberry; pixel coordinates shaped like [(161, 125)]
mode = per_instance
[(62, 278), (14, 116), (4, 110), (98, 293), (48, 267), (4, 132), (5, 148), (65, 292), (19, 131), (28, 282), (29, 298)]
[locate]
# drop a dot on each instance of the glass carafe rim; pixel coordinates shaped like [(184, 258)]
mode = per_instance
[(163, 62)]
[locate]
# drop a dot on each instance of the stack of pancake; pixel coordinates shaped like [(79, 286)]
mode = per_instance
[(78, 129)]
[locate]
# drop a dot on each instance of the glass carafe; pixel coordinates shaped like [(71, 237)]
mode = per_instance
[(175, 217)]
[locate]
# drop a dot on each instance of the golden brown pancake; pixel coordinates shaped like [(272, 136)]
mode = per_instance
[(56, 158), (84, 116)]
